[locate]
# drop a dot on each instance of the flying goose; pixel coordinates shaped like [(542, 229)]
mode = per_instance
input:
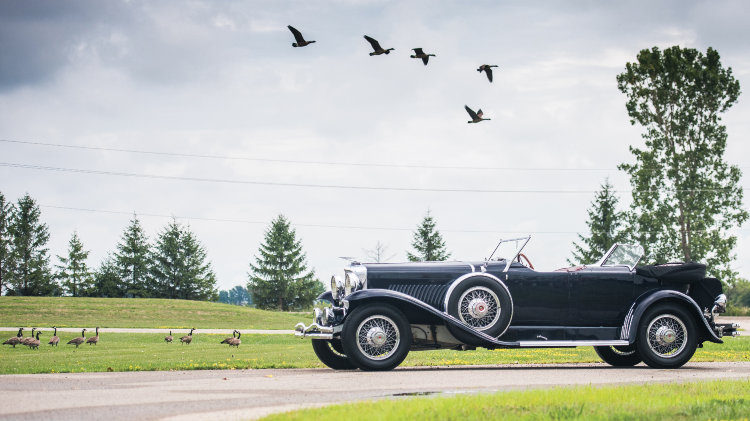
[(16, 339), (487, 68), (476, 117), (298, 37), (189, 338), (79, 340), (377, 49), (418, 53), (54, 340), (94, 339)]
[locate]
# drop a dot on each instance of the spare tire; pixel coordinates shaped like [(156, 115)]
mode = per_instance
[(482, 303)]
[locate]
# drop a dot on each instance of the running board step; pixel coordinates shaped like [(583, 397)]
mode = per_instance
[(566, 344)]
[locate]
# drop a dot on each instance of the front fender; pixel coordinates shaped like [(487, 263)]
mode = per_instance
[(403, 301), (632, 320)]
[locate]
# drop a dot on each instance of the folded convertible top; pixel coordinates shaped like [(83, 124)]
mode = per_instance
[(674, 272)]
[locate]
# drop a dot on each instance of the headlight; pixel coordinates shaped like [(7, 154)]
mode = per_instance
[(335, 286), (351, 283)]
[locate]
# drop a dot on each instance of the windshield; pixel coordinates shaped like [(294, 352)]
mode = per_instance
[(508, 249), (623, 255)]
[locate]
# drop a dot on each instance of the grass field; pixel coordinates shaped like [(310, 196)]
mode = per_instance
[(729, 399), (145, 351), (141, 312)]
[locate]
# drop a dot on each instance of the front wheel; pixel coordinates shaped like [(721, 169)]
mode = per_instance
[(666, 336), (331, 353), (376, 337), (618, 356)]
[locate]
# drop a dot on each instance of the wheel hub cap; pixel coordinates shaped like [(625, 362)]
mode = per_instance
[(665, 335), (376, 337), (478, 308)]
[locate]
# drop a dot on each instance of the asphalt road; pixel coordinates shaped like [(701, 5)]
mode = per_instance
[(247, 394)]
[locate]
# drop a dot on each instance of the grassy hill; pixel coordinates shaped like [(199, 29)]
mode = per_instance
[(139, 313)]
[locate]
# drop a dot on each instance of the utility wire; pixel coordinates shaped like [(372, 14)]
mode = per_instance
[(325, 186)]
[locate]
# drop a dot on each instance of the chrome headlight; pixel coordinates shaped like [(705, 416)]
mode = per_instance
[(351, 283), (336, 286)]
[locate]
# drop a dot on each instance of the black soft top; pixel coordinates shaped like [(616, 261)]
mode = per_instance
[(674, 272)]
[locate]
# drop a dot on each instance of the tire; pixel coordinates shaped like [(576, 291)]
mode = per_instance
[(666, 336), (618, 356), (376, 337), (483, 289), (331, 353)]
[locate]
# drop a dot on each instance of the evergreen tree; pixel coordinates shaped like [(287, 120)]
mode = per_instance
[(6, 213), (29, 272), (279, 279), (428, 243), (73, 272), (107, 281), (133, 260), (686, 197), (180, 268), (605, 227)]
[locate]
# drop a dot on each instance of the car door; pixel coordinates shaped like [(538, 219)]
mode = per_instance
[(539, 298), (600, 297)]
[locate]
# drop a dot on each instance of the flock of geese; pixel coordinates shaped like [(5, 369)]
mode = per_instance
[(33, 341), (419, 53)]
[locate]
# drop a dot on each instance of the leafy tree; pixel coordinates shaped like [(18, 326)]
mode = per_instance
[(180, 268), (239, 296), (605, 227), (73, 273), (29, 272), (279, 279), (133, 260), (6, 212), (428, 243), (379, 253), (224, 296), (685, 195), (107, 281)]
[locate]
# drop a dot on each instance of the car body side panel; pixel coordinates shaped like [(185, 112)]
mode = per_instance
[(600, 298)]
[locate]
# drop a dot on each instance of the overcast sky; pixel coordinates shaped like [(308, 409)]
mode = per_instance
[(222, 79)]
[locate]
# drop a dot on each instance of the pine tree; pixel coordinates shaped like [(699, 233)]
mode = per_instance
[(133, 260), (428, 243), (605, 227), (29, 272), (6, 213), (107, 281), (279, 279), (73, 272), (180, 268)]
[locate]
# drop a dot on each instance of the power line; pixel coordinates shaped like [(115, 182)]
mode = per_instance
[(323, 186)]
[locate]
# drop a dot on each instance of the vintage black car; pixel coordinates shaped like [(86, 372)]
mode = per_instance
[(378, 312)]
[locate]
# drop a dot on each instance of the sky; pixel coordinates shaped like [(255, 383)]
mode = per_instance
[(221, 79)]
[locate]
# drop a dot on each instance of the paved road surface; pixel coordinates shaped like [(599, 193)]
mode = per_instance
[(244, 394)]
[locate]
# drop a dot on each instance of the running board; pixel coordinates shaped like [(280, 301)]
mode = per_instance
[(565, 344)]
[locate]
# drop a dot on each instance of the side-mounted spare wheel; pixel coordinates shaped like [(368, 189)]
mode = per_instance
[(666, 336), (376, 337), (482, 303), (618, 356), (331, 353)]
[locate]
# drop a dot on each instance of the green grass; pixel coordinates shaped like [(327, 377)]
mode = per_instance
[(146, 351), (728, 399), (139, 313)]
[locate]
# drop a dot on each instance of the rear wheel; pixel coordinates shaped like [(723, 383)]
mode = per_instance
[(666, 336), (618, 356), (331, 353), (376, 337)]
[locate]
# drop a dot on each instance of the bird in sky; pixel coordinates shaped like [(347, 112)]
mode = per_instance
[(476, 117), (377, 49), (487, 68), (418, 53), (298, 37)]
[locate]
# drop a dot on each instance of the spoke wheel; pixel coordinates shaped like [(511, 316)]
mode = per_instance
[(479, 307), (376, 337), (481, 303), (331, 353), (618, 356), (666, 336)]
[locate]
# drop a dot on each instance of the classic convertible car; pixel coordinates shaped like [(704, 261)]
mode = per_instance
[(658, 314)]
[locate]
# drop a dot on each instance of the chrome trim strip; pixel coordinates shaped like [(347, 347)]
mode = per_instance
[(485, 274), (314, 335), (539, 344), (472, 267), (625, 330)]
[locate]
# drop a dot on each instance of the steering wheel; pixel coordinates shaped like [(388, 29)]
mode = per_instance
[(528, 262)]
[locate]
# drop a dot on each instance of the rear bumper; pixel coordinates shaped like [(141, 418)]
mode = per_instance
[(727, 329), (313, 331)]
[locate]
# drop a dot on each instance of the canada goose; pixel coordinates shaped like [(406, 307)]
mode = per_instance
[(298, 37), (418, 53), (169, 338), (226, 341), (476, 117), (487, 68), (54, 340), (25, 341), (189, 338), (78, 341), (235, 342), (94, 339), (34, 343), (16, 339), (378, 50)]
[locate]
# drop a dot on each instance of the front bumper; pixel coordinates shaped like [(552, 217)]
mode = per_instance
[(314, 331)]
